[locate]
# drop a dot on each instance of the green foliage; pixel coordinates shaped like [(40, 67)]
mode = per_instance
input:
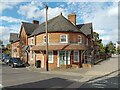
[(118, 50), (7, 51), (99, 42), (111, 47)]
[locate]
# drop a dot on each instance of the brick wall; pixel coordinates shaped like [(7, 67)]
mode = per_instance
[(16, 48), (54, 64), (55, 38)]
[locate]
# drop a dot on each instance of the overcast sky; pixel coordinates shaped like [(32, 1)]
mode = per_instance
[(103, 15)]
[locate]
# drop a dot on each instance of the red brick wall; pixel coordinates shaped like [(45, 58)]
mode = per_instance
[(15, 46), (55, 37), (51, 65)]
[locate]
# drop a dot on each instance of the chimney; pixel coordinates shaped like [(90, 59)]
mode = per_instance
[(35, 22), (72, 18)]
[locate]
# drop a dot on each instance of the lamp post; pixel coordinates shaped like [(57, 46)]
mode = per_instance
[(46, 27)]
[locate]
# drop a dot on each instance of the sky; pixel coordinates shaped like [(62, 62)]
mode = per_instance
[(103, 15)]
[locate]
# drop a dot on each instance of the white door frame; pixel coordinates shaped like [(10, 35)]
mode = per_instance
[(42, 61), (58, 61)]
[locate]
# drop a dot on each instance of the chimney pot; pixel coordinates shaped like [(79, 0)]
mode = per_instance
[(35, 22)]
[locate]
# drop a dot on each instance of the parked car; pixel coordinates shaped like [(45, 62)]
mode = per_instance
[(7, 59), (15, 62)]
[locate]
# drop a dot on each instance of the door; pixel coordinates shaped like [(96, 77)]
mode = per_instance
[(61, 57), (64, 58)]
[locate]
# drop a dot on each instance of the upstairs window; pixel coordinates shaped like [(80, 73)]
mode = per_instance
[(63, 38), (79, 39), (44, 39)]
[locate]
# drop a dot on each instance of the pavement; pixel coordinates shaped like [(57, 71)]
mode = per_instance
[(103, 68), (102, 75)]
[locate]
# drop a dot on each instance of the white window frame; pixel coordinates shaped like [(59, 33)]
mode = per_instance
[(32, 40), (75, 55), (61, 38), (52, 57), (44, 39), (79, 39)]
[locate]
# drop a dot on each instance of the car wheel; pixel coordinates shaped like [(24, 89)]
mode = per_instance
[(12, 66)]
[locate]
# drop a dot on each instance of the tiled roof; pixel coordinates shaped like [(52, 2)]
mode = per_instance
[(61, 47), (14, 37), (29, 27), (85, 28), (57, 24)]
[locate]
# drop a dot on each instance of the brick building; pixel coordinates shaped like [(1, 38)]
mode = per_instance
[(14, 40), (68, 44)]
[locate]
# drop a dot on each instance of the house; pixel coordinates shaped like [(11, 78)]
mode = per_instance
[(14, 39), (26, 30), (69, 45)]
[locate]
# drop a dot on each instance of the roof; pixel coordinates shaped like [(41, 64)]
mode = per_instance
[(60, 47), (14, 37), (85, 28), (29, 27), (57, 24)]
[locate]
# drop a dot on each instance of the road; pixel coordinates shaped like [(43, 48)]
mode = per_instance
[(102, 75), (22, 78)]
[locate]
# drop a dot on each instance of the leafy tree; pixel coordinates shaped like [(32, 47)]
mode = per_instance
[(118, 50), (98, 42), (7, 51), (111, 48)]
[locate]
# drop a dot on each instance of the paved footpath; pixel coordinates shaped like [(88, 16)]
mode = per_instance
[(107, 67)]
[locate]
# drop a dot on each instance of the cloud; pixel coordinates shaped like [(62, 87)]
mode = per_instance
[(7, 4), (101, 31), (10, 19), (105, 20), (32, 10), (5, 32)]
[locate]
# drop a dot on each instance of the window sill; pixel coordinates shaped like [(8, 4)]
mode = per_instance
[(50, 61)]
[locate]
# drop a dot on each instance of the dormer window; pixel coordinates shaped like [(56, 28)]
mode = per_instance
[(63, 38), (79, 39)]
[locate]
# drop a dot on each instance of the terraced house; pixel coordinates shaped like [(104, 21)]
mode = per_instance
[(69, 45), (14, 40)]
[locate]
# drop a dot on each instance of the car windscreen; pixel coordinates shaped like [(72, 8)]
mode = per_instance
[(16, 60)]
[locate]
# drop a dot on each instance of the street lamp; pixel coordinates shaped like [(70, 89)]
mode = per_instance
[(46, 27)]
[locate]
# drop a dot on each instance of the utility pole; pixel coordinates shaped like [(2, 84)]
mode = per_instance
[(46, 24)]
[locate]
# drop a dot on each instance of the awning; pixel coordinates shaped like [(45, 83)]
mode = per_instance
[(60, 47)]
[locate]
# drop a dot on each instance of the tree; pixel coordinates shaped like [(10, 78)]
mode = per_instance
[(118, 50), (110, 47), (98, 42), (7, 51)]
